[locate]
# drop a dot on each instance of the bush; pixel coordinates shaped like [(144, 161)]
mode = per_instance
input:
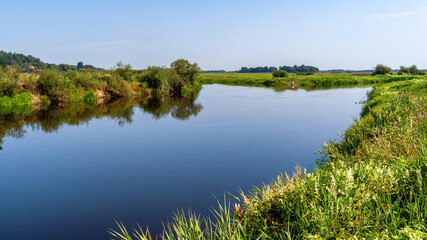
[(124, 70), (116, 86), (51, 83), (155, 77), (8, 87), (188, 71), (83, 80), (404, 70), (280, 73), (382, 70)]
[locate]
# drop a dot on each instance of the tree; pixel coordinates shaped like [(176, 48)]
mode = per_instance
[(186, 70), (280, 73), (3, 61), (382, 70), (404, 70), (414, 70), (124, 70), (155, 77), (79, 65)]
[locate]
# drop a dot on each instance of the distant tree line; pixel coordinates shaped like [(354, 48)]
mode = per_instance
[(27, 62), (257, 69), (299, 69), (412, 70), (290, 69), (214, 71)]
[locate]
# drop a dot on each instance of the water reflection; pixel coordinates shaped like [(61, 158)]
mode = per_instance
[(13, 121)]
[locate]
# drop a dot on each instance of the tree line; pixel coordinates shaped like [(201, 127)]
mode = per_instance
[(25, 63), (381, 69), (290, 69)]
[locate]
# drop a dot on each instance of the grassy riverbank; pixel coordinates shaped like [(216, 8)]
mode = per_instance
[(306, 81), (94, 87), (370, 185)]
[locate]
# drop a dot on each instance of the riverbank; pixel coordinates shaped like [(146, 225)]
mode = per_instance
[(51, 87), (305, 81), (370, 185)]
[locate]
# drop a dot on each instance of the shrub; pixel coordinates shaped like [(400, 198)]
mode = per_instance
[(404, 70), (280, 73), (115, 85), (51, 83), (155, 77), (188, 71), (382, 70), (8, 87), (124, 70), (83, 80)]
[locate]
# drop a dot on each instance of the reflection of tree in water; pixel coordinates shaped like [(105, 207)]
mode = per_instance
[(180, 108), (14, 121)]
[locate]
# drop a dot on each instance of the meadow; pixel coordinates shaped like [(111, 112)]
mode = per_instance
[(318, 80), (370, 185)]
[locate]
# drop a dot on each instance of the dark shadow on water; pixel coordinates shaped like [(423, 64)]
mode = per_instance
[(13, 121)]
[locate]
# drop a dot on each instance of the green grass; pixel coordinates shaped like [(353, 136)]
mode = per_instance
[(370, 185), (306, 81)]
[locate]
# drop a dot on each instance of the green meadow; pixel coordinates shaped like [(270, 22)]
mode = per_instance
[(305, 81)]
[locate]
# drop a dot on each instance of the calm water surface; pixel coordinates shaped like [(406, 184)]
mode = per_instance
[(69, 179)]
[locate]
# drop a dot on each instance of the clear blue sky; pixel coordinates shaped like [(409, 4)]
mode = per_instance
[(219, 34)]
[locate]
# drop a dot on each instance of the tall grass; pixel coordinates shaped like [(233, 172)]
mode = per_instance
[(370, 185)]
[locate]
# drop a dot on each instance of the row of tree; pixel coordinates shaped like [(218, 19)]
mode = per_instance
[(257, 69), (412, 70), (30, 63), (290, 69)]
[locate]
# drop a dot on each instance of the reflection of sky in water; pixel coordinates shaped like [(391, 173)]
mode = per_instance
[(73, 183)]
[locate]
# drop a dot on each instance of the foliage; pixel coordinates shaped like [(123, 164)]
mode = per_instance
[(382, 70), (83, 80), (188, 71), (155, 77), (257, 70), (9, 85), (413, 70), (404, 70), (299, 69), (51, 83), (280, 73), (17, 100), (25, 61), (123, 70)]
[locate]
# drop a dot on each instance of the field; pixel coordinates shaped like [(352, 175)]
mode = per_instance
[(306, 81)]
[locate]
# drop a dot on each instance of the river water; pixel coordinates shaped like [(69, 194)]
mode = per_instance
[(68, 174)]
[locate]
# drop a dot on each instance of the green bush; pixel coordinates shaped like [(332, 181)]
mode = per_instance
[(382, 70), (188, 71), (8, 86), (83, 80), (116, 85), (280, 73), (155, 77), (51, 83)]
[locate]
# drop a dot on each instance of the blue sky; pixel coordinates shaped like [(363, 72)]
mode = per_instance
[(219, 34)]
